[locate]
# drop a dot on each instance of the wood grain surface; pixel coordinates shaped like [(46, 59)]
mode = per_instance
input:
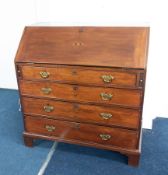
[(124, 47), (85, 132), (85, 94), (122, 117)]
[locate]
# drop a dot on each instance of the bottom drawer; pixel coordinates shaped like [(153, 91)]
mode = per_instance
[(89, 133)]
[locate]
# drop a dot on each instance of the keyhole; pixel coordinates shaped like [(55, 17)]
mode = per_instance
[(74, 72), (76, 107), (77, 125), (75, 88)]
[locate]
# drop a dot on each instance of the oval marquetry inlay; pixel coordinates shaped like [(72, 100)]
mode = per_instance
[(78, 43)]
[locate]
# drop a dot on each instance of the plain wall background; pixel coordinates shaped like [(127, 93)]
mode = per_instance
[(14, 15)]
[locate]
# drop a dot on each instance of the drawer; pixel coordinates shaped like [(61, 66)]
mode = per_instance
[(111, 116), (90, 133), (80, 75), (82, 93)]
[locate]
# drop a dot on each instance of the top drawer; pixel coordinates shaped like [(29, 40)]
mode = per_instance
[(80, 75)]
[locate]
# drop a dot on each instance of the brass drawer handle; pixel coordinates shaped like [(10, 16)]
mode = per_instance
[(49, 128), (44, 74), (105, 96), (106, 116), (107, 78), (48, 108), (105, 136), (46, 90)]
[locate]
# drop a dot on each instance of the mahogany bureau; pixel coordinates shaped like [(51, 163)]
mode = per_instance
[(84, 85)]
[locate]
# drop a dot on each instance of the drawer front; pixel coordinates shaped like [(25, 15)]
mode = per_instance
[(82, 132), (79, 75), (82, 93), (82, 113)]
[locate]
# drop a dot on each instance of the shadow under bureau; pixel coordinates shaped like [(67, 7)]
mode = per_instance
[(84, 85)]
